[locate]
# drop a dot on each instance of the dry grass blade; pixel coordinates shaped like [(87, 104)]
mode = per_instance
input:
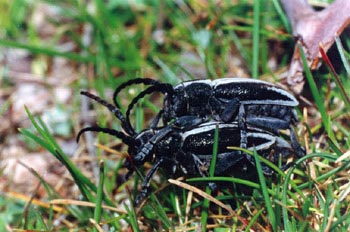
[(341, 158), (84, 203), (110, 150), (37, 202), (203, 194), (97, 226), (188, 205)]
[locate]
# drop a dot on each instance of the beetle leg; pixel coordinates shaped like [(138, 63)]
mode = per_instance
[(227, 160), (187, 122), (147, 180), (286, 166), (147, 149), (202, 170), (130, 171), (266, 170), (196, 166), (271, 124), (242, 126), (243, 130), (299, 150), (225, 111), (230, 111), (155, 121)]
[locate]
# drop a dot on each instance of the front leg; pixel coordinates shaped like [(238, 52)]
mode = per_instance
[(163, 161), (147, 149), (146, 182), (180, 124)]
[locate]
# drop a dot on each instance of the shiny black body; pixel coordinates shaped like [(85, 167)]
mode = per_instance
[(225, 100), (246, 101), (220, 99), (185, 145)]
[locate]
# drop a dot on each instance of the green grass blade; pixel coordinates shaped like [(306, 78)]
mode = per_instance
[(317, 96), (237, 42), (44, 131), (256, 39), (49, 190), (47, 51), (48, 142), (234, 180), (212, 167), (132, 218), (327, 204), (340, 222), (37, 139), (169, 75), (288, 224), (162, 215), (272, 166), (39, 221), (98, 204), (267, 33), (341, 51), (254, 219), (327, 174), (215, 153), (84, 184), (265, 193), (282, 15)]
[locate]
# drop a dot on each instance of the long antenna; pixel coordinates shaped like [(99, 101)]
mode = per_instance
[(117, 113)]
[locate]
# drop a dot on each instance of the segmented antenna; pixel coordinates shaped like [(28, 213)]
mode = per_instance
[(163, 88), (117, 113), (145, 81), (125, 138)]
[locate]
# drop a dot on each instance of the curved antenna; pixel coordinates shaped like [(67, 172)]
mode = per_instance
[(145, 81), (163, 88), (125, 138), (124, 123)]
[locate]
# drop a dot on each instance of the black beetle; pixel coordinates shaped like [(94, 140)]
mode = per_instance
[(265, 104), (247, 101), (186, 145)]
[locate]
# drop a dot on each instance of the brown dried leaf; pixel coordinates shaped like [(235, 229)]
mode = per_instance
[(313, 28)]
